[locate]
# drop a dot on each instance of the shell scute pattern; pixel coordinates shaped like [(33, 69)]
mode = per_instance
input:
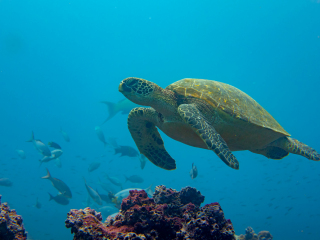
[(226, 98)]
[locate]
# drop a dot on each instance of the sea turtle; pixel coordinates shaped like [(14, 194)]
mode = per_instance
[(205, 114)]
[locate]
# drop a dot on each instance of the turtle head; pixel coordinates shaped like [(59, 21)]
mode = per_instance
[(138, 90)]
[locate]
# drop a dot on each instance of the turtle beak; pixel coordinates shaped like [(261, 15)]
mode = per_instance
[(124, 88)]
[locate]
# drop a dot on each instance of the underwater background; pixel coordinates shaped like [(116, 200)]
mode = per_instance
[(60, 59)]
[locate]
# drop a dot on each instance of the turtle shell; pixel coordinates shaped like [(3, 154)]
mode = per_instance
[(226, 98)]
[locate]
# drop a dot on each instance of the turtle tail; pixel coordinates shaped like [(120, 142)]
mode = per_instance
[(292, 145)]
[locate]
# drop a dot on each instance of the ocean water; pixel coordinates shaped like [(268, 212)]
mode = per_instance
[(60, 59)]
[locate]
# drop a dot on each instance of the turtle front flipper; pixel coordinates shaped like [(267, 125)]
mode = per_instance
[(141, 124), (192, 116), (292, 145)]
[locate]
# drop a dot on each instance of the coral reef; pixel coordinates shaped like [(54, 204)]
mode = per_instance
[(251, 235), (168, 215), (11, 227)]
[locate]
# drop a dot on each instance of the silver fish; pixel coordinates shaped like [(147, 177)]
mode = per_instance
[(114, 180), (59, 185), (40, 146), (143, 161), (93, 166), (60, 198), (134, 179), (100, 135), (193, 172), (65, 135), (126, 151), (105, 198), (124, 106), (58, 163), (113, 142), (87, 203), (54, 155), (106, 186), (38, 204), (21, 154), (54, 145), (5, 182), (93, 194)]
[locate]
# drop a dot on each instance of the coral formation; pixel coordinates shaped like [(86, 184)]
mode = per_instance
[(251, 235), (168, 215), (11, 227)]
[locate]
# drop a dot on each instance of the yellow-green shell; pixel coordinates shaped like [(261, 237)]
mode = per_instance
[(226, 98)]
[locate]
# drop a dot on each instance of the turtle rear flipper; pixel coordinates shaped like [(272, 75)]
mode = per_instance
[(147, 138), (192, 116), (272, 152), (292, 145)]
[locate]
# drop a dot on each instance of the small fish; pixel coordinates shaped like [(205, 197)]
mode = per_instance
[(134, 179), (124, 106), (100, 135), (193, 172), (59, 185), (93, 194), (143, 161), (54, 145), (114, 180), (117, 202), (5, 182), (60, 199), (126, 151), (113, 142), (87, 203), (289, 209), (40, 146), (65, 135), (58, 163), (111, 195), (54, 154), (37, 204), (105, 198), (93, 166), (21, 154), (106, 186)]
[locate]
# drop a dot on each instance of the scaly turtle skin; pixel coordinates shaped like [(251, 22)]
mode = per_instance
[(205, 114)]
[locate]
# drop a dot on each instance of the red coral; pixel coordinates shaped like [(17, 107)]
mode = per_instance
[(11, 226), (135, 198), (172, 215), (86, 224)]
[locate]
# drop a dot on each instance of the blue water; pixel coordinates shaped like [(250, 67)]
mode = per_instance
[(59, 59)]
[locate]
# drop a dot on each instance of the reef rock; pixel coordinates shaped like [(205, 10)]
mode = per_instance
[(11, 227), (168, 215), (251, 235)]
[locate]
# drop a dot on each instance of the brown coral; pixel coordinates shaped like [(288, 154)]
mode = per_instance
[(251, 235), (11, 227)]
